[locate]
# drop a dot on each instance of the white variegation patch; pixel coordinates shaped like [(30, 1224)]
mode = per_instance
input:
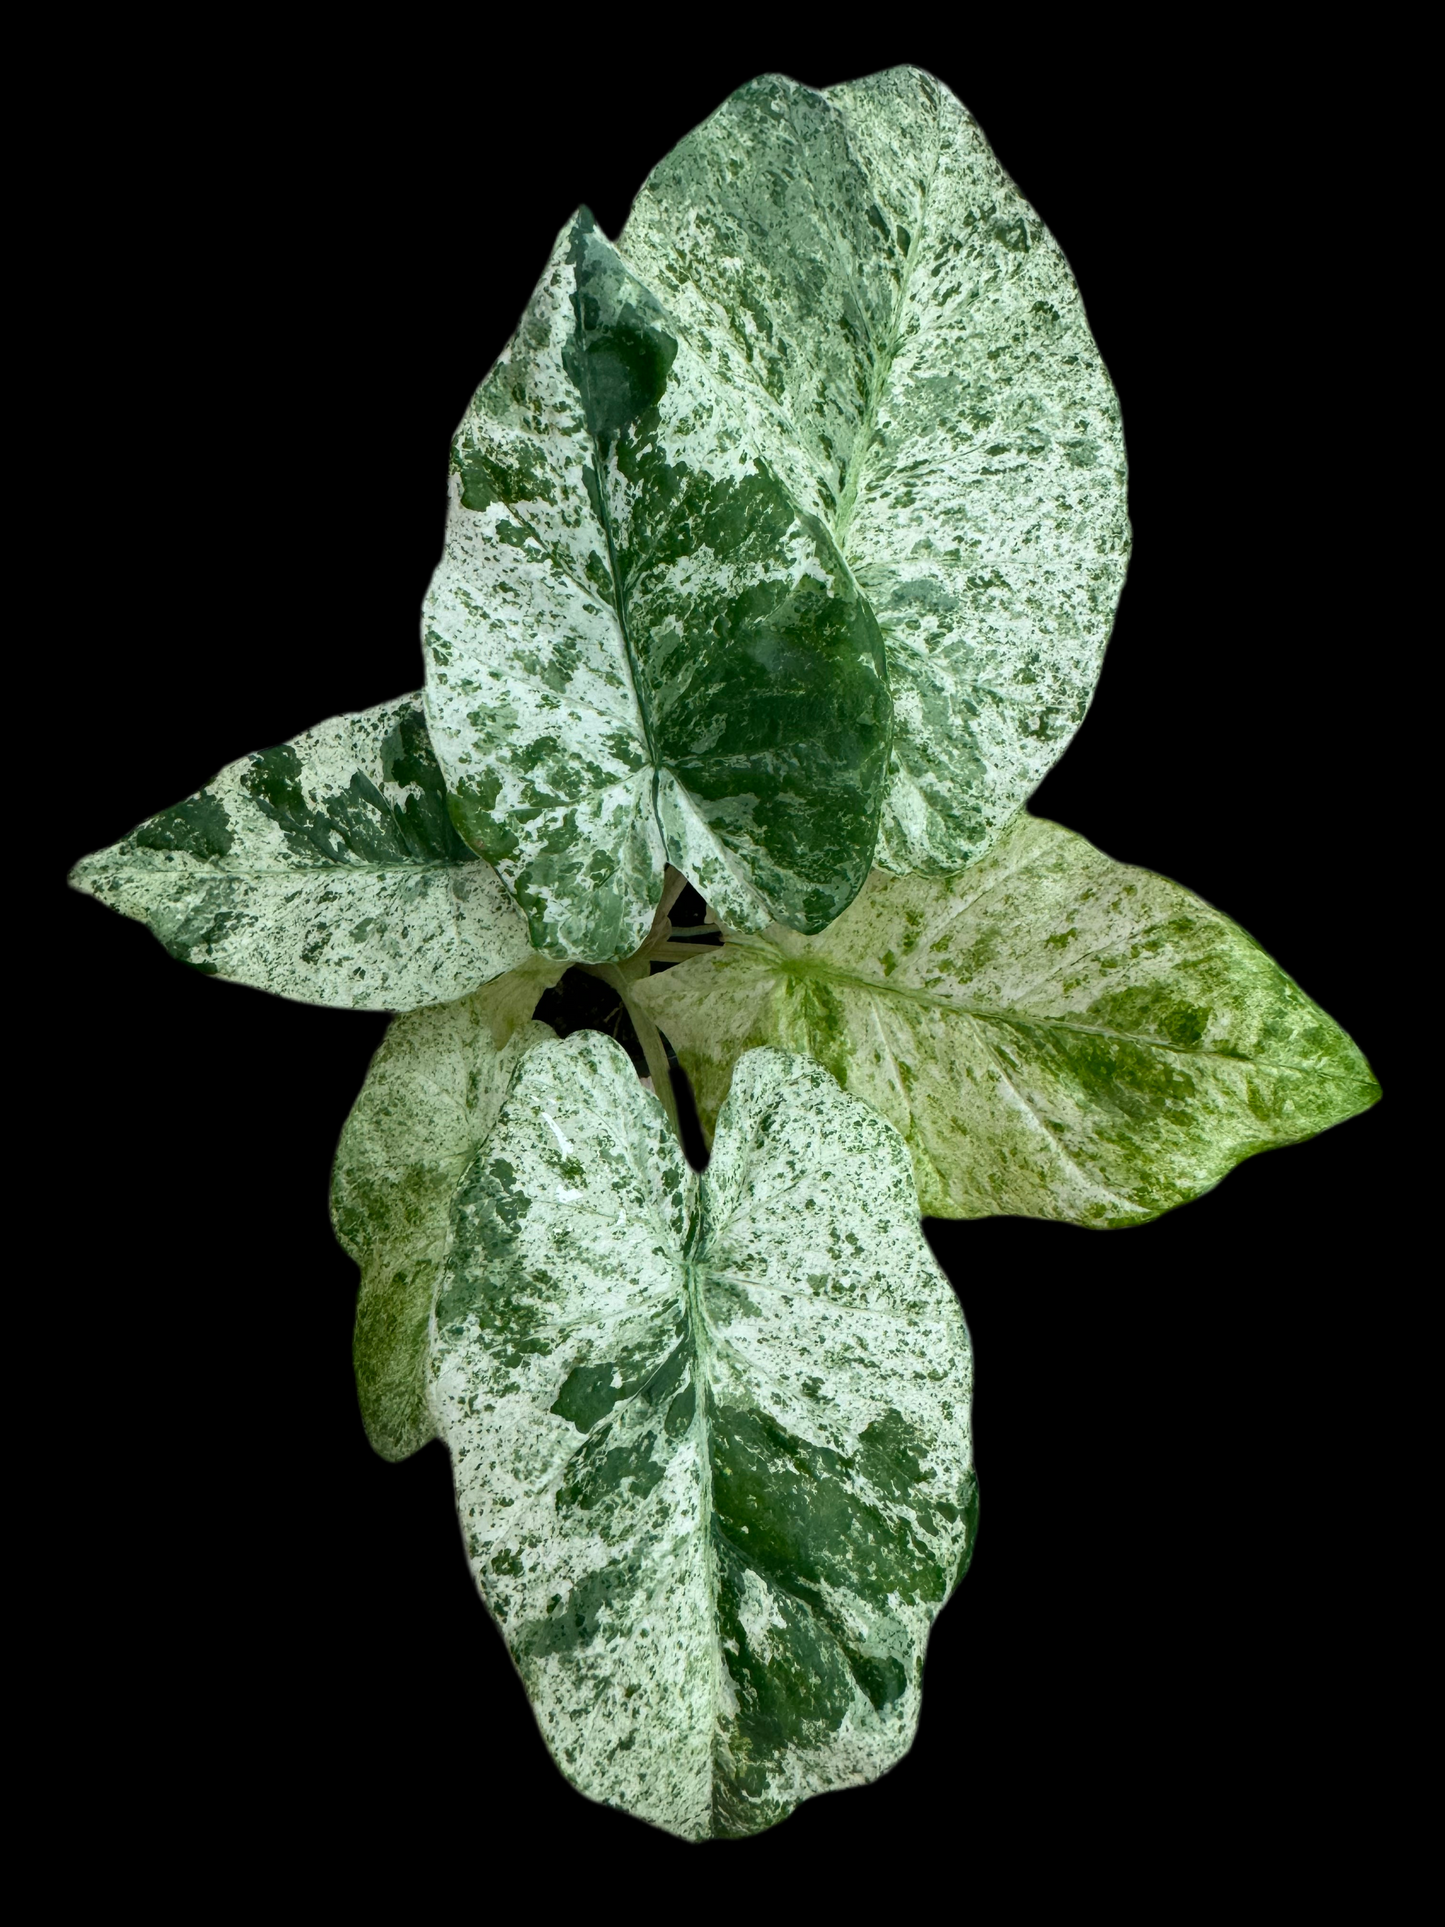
[(325, 870), (1055, 1035), (858, 259), (427, 1107), (710, 1438)]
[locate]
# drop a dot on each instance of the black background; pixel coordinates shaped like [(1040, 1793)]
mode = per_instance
[(274, 286)]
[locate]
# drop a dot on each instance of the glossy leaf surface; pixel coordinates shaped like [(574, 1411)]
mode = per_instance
[(859, 259), (642, 646), (326, 870), (710, 1438), (428, 1105), (1054, 1034)]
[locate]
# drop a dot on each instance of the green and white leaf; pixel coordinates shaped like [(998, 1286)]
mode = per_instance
[(326, 870), (642, 645), (710, 1438), (859, 259), (1055, 1035), (427, 1107)]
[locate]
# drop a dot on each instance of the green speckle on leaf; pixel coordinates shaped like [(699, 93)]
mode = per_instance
[(644, 645), (326, 870), (860, 262), (716, 1584)]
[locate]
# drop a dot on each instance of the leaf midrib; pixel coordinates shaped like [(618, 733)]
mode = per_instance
[(848, 500), (747, 376), (988, 1014)]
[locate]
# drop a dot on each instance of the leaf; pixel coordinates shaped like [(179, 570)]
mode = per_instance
[(710, 1438), (326, 870), (1055, 1035), (428, 1105), (641, 646), (859, 259)]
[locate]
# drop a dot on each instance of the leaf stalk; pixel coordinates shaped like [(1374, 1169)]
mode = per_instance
[(650, 1038)]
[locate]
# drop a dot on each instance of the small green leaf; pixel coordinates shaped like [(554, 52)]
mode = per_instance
[(430, 1100), (710, 1437), (861, 262), (1055, 1035), (326, 870), (642, 645)]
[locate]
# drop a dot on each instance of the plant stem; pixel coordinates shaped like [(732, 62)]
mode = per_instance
[(655, 1051), (650, 1038)]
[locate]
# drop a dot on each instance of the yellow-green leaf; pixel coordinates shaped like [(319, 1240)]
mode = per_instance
[(1055, 1035)]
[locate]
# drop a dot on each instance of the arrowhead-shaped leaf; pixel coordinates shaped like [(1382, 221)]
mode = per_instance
[(1054, 1034), (641, 646), (859, 259), (326, 870), (710, 1438), (427, 1107)]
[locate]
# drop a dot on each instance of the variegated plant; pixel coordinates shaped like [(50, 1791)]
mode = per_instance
[(784, 542)]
